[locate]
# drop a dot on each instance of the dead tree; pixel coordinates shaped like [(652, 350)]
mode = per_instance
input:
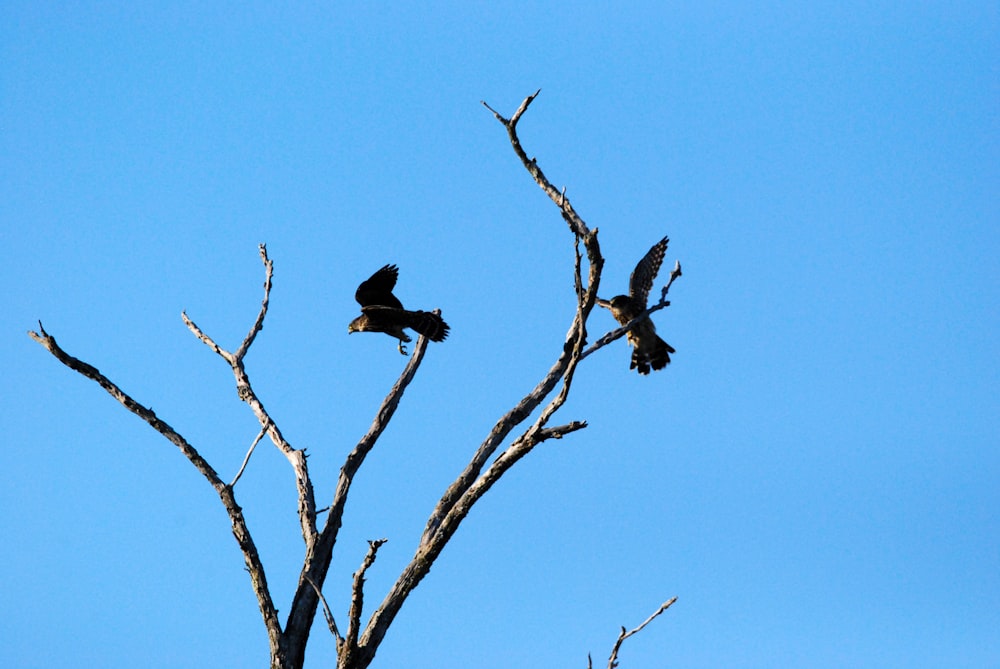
[(357, 643)]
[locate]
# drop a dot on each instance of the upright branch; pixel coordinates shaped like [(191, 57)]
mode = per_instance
[(254, 565), (357, 603)]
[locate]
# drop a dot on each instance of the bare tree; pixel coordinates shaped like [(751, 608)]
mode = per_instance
[(356, 647)]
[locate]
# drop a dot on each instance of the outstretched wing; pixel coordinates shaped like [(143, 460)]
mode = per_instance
[(377, 289), (642, 277)]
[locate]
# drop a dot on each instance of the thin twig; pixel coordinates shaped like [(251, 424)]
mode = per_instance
[(674, 273), (613, 660), (259, 323), (260, 435), (330, 622)]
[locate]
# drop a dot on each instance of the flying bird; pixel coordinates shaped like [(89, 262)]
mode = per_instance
[(648, 350), (381, 311)]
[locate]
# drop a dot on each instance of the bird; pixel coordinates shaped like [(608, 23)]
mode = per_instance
[(381, 311), (648, 350)]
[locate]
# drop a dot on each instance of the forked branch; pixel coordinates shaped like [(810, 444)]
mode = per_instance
[(296, 458), (317, 560), (250, 556), (358, 599), (576, 223), (613, 659)]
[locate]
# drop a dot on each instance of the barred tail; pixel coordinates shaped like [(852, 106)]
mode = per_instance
[(428, 324), (656, 356)]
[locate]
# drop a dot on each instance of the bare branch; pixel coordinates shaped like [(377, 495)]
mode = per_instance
[(260, 435), (250, 556), (576, 223), (367, 442), (618, 333), (472, 483), (317, 560), (92, 373), (613, 660), (560, 431), (330, 622), (226, 355), (586, 298), (350, 647), (357, 591), (259, 323), (296, 458), (674, 273), (512, 121)]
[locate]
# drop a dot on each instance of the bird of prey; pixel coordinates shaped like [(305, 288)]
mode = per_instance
[(648, 350), (381, 311)]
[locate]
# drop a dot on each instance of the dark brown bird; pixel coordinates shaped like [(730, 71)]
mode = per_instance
[(648, 350), (381, 311)]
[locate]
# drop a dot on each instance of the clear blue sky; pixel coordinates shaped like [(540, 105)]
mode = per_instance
[(816, 476)]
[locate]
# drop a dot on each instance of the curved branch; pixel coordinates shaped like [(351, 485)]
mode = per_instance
[(576, 223), (586, 298), (250, 556), (472, 483)]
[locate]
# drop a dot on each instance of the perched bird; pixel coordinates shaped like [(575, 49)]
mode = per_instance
[(381, 311), (648, 350)]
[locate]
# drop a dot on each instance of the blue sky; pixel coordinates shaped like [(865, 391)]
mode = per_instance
[(815, 476)]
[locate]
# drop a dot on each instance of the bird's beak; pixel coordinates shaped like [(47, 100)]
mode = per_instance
[(603, 303)]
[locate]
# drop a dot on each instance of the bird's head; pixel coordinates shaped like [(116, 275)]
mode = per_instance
[(618, 302), (614, 304), (354, 326)]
